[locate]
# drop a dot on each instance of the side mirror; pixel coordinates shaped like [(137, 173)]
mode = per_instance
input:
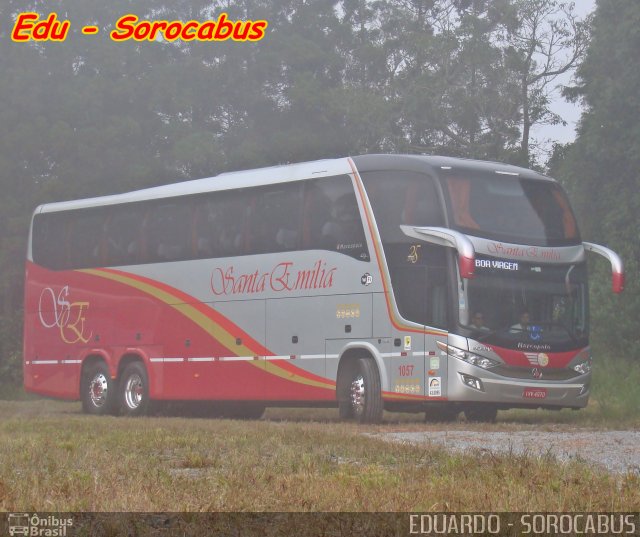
[(447, 237), (617, 267)]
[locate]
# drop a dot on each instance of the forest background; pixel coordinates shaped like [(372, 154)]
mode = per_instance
[(468, 78)]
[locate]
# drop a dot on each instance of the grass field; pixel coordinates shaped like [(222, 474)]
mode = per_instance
[(53, 458)]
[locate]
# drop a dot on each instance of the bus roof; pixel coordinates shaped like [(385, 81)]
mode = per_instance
[(435, 163), (291, 172), (223, 181)]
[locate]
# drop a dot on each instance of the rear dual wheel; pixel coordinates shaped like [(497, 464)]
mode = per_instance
[(102, 395), (134, 390), (98, 390)]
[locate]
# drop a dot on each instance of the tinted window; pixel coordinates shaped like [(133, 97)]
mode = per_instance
[(234, 207), (318, 214), (402, 198), (418, 270), (419, 280), (274, 218), (85, 239), (167, 231), (514, 210), (50, 245), (332, 218)]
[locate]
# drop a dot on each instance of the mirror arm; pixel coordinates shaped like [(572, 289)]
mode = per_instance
[(451, 238), (617, 267)]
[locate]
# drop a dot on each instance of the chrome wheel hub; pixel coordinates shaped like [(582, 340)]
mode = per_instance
[(134, 391), (357, 395), (98, 390)]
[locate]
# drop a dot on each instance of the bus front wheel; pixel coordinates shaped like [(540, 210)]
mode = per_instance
[(134, 390), (361, 396), (97, 390)]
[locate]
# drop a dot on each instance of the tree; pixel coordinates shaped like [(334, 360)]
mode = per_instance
[(600, 169), (543, 39)]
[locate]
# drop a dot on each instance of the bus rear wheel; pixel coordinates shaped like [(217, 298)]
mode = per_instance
[(134, 390), (97, 390), (361, 397)]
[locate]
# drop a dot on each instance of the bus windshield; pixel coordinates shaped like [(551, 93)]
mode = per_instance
[(510, 209), (523, 305)]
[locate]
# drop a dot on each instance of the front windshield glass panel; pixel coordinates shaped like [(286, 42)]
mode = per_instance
[(527, 306), (510, 209)]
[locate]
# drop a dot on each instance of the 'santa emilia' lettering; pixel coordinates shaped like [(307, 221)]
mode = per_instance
[(531, 252), (283, 277)]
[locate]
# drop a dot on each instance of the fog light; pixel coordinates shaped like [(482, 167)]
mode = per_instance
[(472, 382)]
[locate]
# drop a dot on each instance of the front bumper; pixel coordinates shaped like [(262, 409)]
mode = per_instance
[(515, 392)]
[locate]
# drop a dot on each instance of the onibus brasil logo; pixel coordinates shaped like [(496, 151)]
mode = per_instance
[(36, 525), (58, 311)]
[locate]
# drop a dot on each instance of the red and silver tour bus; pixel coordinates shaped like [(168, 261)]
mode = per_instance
[(411, 283)]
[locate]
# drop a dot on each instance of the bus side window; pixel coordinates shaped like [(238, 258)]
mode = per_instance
[(121, 244), (205, 239), (168, 232), (274, 224), (228, 227), (422, 205), (402, 198), (85, 236), (332, 218), (50, 245), (316, 211)]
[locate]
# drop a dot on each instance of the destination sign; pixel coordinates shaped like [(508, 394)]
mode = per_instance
[(496, 264)]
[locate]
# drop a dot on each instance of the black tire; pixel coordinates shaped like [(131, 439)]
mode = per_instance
[(345, 374), (360, 393), (441, 413), (98, 390), (134, 390), (481, 413)]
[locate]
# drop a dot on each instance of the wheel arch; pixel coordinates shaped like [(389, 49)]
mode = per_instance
[(362, 349), (132, 355), (128, 358), (91, 358)]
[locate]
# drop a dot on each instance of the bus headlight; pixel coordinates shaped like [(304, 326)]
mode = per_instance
[(583, 367), (466, 356)]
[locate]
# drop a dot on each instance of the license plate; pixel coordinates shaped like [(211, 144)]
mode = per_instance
[(534, 393)]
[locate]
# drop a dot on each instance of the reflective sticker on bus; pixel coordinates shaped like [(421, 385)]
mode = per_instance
[(435, 386)]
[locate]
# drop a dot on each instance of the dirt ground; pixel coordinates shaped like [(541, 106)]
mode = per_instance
[(617, 451)]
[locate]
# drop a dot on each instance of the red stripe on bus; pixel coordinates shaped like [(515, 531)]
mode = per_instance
[(225, 323)]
